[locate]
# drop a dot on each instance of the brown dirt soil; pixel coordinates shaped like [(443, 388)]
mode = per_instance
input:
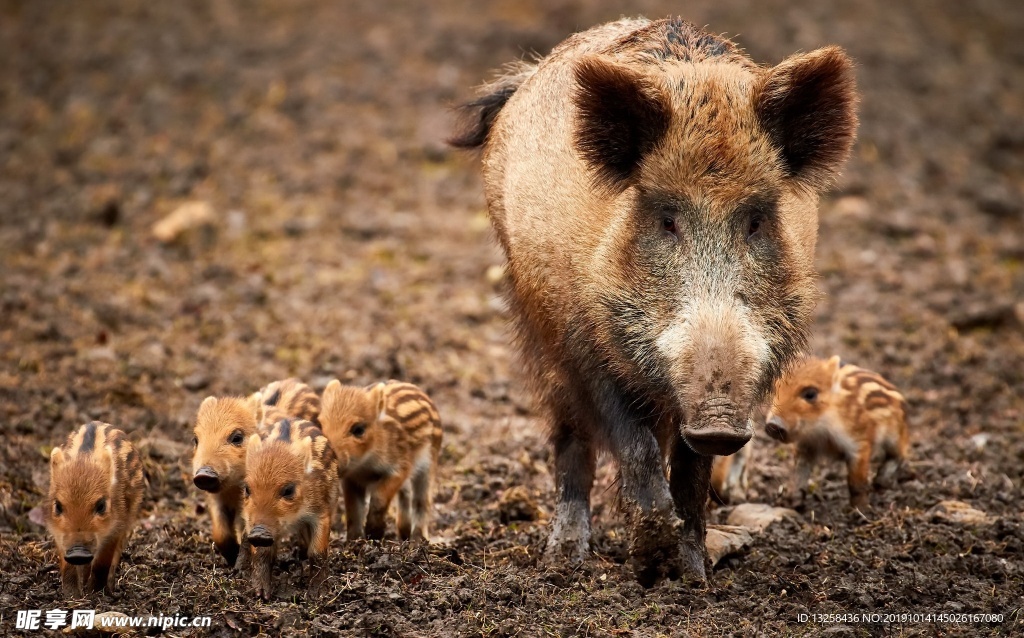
[(349, 242)]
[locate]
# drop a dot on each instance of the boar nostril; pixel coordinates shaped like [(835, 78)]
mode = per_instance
[(78, 555), (207, 479)]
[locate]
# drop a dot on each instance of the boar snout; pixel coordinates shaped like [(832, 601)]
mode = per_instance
[(717, 428), (776, 428), (207, 479), (260, 536), (78, 555)]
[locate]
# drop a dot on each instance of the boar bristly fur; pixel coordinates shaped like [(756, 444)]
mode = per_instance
[(655, 193), (96, 487)]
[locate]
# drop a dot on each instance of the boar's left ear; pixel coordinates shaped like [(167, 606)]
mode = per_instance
[(622, 116), (807, 104)]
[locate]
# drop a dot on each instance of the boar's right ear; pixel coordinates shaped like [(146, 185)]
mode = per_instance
[(622, 116), (807, 104)]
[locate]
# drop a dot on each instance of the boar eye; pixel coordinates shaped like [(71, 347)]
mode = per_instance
[(809, 395), (58, 509), (101, 507), (359, 429), (236, 438), (669, 225), (756, 223), (288, 491)]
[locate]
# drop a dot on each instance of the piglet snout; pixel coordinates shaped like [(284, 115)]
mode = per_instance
[(78, 555), (260, 536), (207, 479), (776, 428)]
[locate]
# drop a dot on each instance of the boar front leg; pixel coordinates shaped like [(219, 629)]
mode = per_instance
[(319, 533), (224, 530), (380, 500), (690, 482), (262, 564), (355, 508), (574, 476), (70, 577), (105, 563), (656, 544)]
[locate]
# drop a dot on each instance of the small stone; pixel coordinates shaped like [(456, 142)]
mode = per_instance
[(979, 441), (195, 381), (959, 513), (163, 448), (758, 516), (516, 504), (723, 540), (184, 218)]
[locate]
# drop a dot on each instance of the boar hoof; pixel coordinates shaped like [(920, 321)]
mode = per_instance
[(570, 535), (719, 437), (658, 551)]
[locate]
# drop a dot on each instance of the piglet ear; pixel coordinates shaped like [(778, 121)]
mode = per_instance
[(56, 457), (256, 404), (377, 399), (835, 362), (807, 104), (332, 388), (306, 453), (253, 444), (622, 116)]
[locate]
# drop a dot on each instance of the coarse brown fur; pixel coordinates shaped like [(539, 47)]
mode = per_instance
[(222, 431), (387, 437), (655, 192), (836, 411), (291, 487), (96, 488)]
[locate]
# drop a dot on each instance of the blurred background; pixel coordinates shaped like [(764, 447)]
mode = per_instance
[(199, 197)]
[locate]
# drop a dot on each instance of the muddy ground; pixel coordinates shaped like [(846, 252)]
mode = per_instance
[(349, 242)]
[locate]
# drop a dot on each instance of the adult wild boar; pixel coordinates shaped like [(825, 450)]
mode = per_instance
[(655, 192)]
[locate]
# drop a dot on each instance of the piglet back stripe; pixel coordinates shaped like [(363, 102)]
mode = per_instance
[(88, 438)]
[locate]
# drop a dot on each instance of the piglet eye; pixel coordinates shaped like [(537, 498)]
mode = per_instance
[(236, 438), (58, 509), (101, 507), (809, 395), (288, 491), (358, 430), (195, 441), (245, 490)]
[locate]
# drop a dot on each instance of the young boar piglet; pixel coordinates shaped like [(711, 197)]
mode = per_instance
[(838, 411), (222, 430), (655, 192), (387, 437), (96, 486), (291, 487)]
